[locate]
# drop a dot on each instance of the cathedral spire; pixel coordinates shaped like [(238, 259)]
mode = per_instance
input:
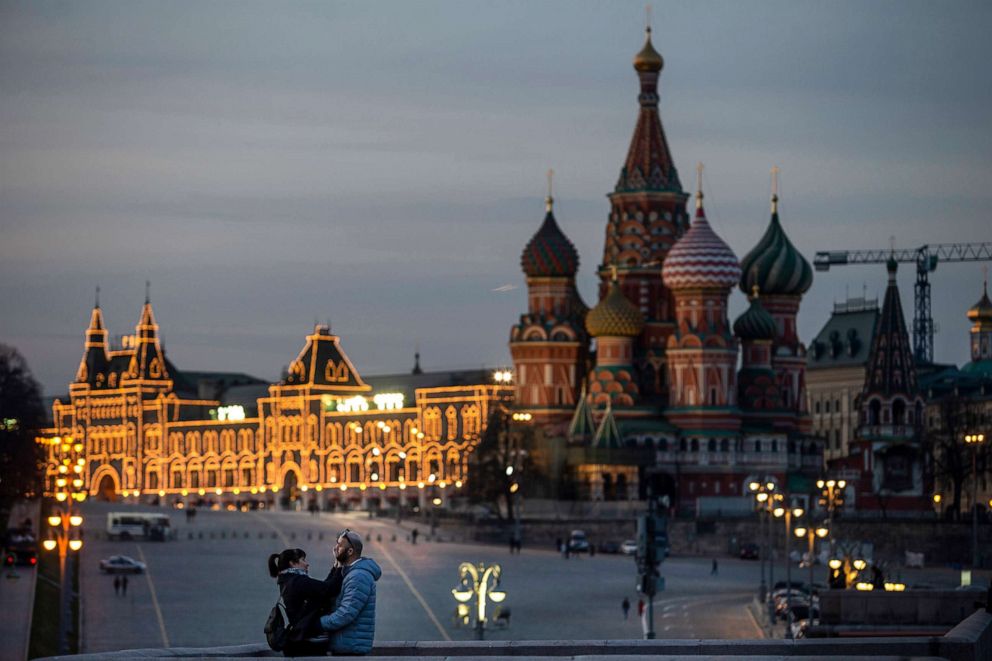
[(891, 369), (94, 360)]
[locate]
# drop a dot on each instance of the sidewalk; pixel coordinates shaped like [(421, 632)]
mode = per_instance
[(17, 594)]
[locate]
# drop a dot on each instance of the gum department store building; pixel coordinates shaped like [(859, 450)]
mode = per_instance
[(653, 384)]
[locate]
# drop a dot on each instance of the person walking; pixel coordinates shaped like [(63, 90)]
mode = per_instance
[(715, 569), (640, 607), (305, 600), (625, 606), (413, 536), (352, 623), (117, 585), (123, 586)]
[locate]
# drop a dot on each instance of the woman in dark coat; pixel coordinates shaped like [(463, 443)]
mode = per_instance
[(306, 599)]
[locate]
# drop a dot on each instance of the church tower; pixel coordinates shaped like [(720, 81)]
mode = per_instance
[(782, 275), (980, 315), (647, 216), (702, 353), (891, 412), (549, 344), (757, 392)]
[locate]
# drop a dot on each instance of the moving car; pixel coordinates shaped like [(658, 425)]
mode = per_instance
[(609, 547), (578, 542), (20, 547), (121, 564), (629, 547)]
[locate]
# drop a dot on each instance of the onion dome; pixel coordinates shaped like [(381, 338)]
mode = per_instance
[(549, 253), (700, 258), (755, 323), (648, 59), (774, 265), (981, 312), (614, 316)]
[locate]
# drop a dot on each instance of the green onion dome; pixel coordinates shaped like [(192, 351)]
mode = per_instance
[(614, 316), (549, 253), (755, 323), (774, 265)]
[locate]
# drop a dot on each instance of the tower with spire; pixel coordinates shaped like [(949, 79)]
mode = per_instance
[(93, 364), (888, 444), (980, 316), (782, 275), (700, 271), (549, 343), (647, 216)]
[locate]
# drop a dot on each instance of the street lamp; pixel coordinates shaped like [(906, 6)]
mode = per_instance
[(832, 498), (63, 532), (975, 441), (763, 492), (811, 534), (482, 583), (788, 514)]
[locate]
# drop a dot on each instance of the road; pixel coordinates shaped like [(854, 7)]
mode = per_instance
[(213, 590)]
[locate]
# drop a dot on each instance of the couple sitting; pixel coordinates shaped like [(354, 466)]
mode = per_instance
[(336, 614)]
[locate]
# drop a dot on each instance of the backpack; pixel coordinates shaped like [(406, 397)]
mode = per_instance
[(277, 627)]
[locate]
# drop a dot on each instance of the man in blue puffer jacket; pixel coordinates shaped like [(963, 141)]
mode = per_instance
[(352, 623)]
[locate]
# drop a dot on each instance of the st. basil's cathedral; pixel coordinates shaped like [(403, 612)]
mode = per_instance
[(645, 387)]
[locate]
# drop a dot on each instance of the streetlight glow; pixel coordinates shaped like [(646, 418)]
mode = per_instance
[(75, 544), (49, 544)]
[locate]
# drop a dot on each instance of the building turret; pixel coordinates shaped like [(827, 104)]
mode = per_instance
[(549, 344), (647, 216), (782, 275), (148, 359), (980, 315), (614, 322), (891, 412), (93, 365), (757, 390), (702, 354)]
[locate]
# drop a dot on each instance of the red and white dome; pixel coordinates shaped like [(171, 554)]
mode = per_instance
[(700, 259)]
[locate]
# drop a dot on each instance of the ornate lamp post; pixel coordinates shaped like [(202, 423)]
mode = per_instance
[(482, 583), (975, 441), (788, 514), (64, 522), (832, 498), (763, 500), (811, 534)]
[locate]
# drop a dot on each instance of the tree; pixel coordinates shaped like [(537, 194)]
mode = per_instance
[(503, 445), (951, 459), (21, 416)]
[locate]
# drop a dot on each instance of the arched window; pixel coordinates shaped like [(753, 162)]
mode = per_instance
[(695, 445), (711, 445), (724, 445)]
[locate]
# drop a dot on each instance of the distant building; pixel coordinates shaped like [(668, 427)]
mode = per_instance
[(323, 435), (835, 373)]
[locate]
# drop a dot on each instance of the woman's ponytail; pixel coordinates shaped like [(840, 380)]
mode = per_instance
[(274, 565), (280, 561)]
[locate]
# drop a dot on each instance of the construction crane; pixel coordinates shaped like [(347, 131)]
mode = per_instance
[(926, 259)]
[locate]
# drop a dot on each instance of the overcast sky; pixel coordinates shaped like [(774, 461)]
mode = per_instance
[(381, 164)]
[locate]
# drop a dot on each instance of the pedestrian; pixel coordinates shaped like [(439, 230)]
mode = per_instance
[(715, 569), (513, 544), (117, 585), (640, 607), (352, 623), (625, 606), (558, 545), (305, 600), (123, 586), (413, 535)]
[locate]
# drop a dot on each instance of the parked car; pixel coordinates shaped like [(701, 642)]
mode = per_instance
[(609, 547), (750, 551), (121, 564), (629, 547), (578, 542)]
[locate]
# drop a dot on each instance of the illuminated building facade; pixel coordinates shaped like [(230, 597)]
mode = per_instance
[(147, 432)]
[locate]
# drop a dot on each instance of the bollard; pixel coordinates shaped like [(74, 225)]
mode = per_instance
[(223, 534), (320, 536), (378, 537), (309, 535), (200, 535), (394, 537), (190, 535)]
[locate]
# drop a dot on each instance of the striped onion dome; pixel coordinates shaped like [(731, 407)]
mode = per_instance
[(755, 323), (700, 258), (774, 265), (549, 253), (614, 316)]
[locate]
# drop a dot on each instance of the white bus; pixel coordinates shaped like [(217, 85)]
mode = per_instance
[(139, 525)]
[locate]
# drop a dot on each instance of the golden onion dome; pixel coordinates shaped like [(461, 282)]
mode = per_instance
[(614, 316), (648, 59), (982, 310)]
